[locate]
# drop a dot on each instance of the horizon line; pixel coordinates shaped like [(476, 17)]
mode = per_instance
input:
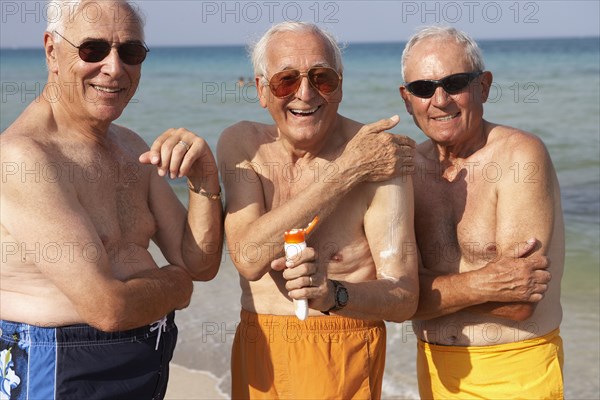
[(29, 47)]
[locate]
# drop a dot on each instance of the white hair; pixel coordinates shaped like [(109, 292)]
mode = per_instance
[(472, 50), (258, 51), (60, 12)]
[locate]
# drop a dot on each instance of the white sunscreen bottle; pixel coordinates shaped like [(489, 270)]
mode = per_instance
[(294, 243)]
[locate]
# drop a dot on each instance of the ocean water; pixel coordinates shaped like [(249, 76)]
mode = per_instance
[(550, 87)]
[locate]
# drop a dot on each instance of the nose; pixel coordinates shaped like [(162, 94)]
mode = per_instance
[(440, 97), (305, 91), (112, 64)]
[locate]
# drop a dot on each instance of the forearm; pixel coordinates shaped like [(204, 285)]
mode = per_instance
[(518, 311), (446, 294), (382, 299), (254, 245), (142, 299), (202, 242)]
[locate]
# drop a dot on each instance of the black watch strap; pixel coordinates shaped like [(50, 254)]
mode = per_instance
[(340, 295)]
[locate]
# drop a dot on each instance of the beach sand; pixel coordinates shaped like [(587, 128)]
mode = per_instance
[(197, 352), (187, 384)]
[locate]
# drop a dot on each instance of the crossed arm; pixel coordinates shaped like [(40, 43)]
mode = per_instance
[(43, 213), (512, 285)]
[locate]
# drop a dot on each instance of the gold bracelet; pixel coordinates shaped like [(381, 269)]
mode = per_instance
[(202, 192)]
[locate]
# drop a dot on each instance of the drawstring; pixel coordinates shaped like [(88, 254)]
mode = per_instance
[(161, 325)]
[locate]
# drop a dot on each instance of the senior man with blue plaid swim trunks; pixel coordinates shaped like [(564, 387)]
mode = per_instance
[(86, 313)]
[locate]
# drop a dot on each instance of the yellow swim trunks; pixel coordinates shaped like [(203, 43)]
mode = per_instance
[(531, 369), (329, 357)]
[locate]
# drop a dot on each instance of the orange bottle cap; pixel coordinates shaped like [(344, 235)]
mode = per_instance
[(294, 236)]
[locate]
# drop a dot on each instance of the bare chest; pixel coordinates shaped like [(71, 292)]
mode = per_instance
[(113, 189), (455, 220), (340, 239)]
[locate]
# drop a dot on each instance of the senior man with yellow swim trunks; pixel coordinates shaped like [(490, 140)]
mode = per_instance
[(487, 328)]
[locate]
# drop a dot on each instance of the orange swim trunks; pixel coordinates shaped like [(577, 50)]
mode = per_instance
[(530, 369), (329, 357)]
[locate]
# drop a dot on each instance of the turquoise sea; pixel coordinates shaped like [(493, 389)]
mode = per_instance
[(550, 87)]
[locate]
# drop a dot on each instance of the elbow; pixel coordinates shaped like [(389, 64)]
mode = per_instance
[(411, 305), (204, 266), (522, 311), (204, 275), (207, 271), (250, 275), (251, 271), (406, 308), (108, 325), (109, 317)]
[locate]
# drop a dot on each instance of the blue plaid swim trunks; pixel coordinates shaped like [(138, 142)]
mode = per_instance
[(81, 362)]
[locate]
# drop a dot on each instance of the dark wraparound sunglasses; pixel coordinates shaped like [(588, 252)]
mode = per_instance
[(285, 83), (96, 50), (452, 84)]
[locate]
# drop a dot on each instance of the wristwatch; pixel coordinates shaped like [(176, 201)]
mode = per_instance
[(340, 296)]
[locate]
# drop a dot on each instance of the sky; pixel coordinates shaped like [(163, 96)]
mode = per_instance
[(195, 22)]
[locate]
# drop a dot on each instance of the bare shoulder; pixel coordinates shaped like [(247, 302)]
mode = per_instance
[(33, 177), (350, 127), (126, 137), (30, 158), (23, 147), (514, 144), (245, 137), (250, 130)]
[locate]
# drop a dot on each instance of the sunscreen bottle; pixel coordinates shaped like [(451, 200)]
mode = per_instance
[(294, 243)]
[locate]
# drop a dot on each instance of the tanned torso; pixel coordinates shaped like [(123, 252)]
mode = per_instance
[(110, 185), (340, 239), (462, 235)]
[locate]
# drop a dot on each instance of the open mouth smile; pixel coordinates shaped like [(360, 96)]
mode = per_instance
[(107, 89), (447, 117), (304, 113)]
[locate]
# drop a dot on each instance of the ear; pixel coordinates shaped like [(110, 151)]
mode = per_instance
[(486, 80), (406, 97), (262, 91), (50, 50)]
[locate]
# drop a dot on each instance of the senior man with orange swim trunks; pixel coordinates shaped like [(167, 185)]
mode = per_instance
[(360, 265)]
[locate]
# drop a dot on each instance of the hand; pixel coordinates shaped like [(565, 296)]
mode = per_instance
[(520, 277), (181, 153), (378, 155), (306, 279)]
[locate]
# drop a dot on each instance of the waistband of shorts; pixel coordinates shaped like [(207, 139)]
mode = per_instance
[(523, 344), (72, 334), (326, 323)]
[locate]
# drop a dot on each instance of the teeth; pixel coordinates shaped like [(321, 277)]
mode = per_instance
[(447, 118), (105, 89), (305, 112)]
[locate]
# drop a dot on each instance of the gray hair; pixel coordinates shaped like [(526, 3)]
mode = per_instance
[(258, 51), (472, 50), (61, 12)]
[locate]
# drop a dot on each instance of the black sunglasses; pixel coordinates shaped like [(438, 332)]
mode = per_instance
[(285, 83), (96, 50), (452, 84)]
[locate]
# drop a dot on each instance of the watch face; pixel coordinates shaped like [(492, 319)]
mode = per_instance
[(342, 296)]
